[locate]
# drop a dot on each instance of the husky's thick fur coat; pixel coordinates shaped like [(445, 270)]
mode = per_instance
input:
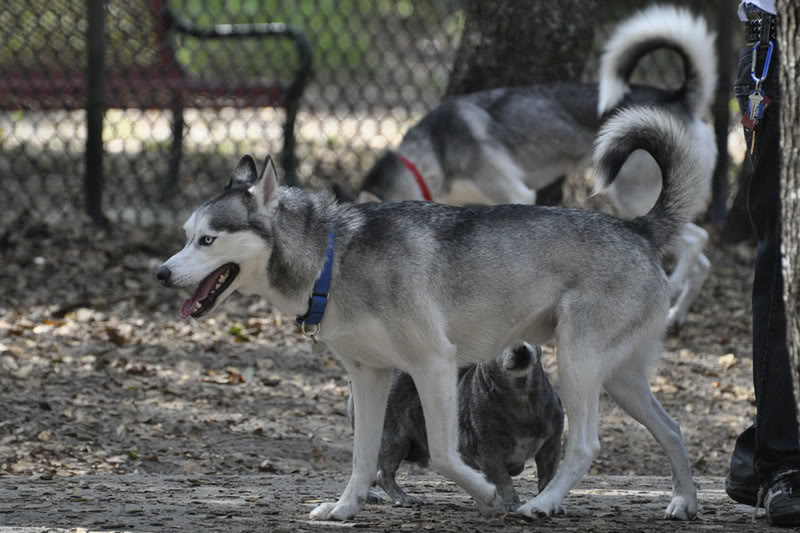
[(427, 288)]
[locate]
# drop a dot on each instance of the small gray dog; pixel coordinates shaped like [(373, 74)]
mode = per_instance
[(508, 412)]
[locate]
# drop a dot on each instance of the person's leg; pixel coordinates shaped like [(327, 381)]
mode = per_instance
[(768, 449), (776, 423), (742, 481)]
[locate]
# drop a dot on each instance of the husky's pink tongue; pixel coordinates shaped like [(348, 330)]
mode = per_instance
[(202, 291), (186, 308)]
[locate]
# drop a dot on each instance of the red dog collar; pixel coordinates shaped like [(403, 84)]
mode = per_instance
[(426, 193)]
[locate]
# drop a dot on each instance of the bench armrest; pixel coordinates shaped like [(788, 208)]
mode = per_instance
[(242, 31)]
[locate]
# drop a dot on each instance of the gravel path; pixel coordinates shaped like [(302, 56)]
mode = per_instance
[(280, 503)]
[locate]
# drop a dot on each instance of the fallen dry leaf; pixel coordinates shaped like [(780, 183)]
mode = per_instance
[(727, 361)]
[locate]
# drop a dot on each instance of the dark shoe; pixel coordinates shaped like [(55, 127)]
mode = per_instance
[(742, 482), (782, 499)]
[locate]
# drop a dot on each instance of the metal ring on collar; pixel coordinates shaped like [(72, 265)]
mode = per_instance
[(311, 335)]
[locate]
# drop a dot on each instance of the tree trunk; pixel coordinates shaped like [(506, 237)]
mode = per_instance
[(509, 43), (788, 38)]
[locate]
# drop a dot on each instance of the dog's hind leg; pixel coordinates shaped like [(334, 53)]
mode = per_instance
[(436, 385), (698, 274), (690, 272), (501, 179), (630, 389), (579, 386), (370, 393)]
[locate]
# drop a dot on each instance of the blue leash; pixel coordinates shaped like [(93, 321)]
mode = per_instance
[(319, 294)]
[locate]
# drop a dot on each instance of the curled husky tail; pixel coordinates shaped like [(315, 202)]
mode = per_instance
[(664, 137), (653, 28)]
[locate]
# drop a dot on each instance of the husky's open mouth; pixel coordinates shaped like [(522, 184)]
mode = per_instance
[(206, 294)]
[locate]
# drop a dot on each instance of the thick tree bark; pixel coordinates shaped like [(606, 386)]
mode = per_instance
[(510, 43), (788, 38)]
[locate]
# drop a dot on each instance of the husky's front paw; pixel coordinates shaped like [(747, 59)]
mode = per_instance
[(540, 507), (334, 511), (681, 508)]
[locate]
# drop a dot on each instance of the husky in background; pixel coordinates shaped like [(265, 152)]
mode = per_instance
[(427, 288), (508, 412), (502, 145)]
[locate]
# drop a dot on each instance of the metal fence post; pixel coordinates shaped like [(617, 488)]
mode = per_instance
[(95, 40), (718, 209)]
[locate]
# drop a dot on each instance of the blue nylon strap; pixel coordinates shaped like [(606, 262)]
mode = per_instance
[(319, 294)]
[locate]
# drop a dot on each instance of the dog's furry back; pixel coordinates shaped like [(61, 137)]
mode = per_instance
[(665, 138)]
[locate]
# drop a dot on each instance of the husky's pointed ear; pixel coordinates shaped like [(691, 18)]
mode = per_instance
[(245, 174), (265, 189)]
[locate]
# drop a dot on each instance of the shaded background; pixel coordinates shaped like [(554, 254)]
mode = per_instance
[(377, 67), (97, 373)]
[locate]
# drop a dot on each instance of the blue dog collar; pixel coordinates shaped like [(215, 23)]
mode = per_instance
[(319, 294)]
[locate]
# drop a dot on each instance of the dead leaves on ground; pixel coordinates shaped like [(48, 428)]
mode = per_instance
[(97, 374)]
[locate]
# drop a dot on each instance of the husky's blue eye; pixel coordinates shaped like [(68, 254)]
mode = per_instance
[(206, 240)]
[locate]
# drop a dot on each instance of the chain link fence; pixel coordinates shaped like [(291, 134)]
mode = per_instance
[(181, 88)]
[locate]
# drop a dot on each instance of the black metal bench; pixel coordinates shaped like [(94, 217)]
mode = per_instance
[(162, 83)]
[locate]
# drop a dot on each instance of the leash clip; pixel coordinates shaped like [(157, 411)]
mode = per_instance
[(765, 70)]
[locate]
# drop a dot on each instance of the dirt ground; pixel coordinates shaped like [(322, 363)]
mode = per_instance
[(280, 504), (98, 376)]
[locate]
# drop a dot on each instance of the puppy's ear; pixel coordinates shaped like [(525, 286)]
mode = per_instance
[(244, 175), (265, 188), (519, 357), (340, 193), (535, 351), (365, 197)]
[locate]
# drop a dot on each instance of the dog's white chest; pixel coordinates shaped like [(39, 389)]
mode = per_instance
[(523, 449)]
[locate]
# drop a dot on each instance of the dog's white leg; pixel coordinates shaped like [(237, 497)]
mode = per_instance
[(370, 393), (689, 245), (579, 387), (436, 384), (679, 310), (501, 180), (691, 271), (630, 389)]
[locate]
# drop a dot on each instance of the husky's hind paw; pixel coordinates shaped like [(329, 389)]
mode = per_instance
[(681, 508), (334, 511), (541, 508)]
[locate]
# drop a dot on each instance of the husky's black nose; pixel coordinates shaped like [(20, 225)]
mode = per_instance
[(162, 274)]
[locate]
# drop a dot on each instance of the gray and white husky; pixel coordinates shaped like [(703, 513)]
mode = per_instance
[(427, 288), (501, 146)]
